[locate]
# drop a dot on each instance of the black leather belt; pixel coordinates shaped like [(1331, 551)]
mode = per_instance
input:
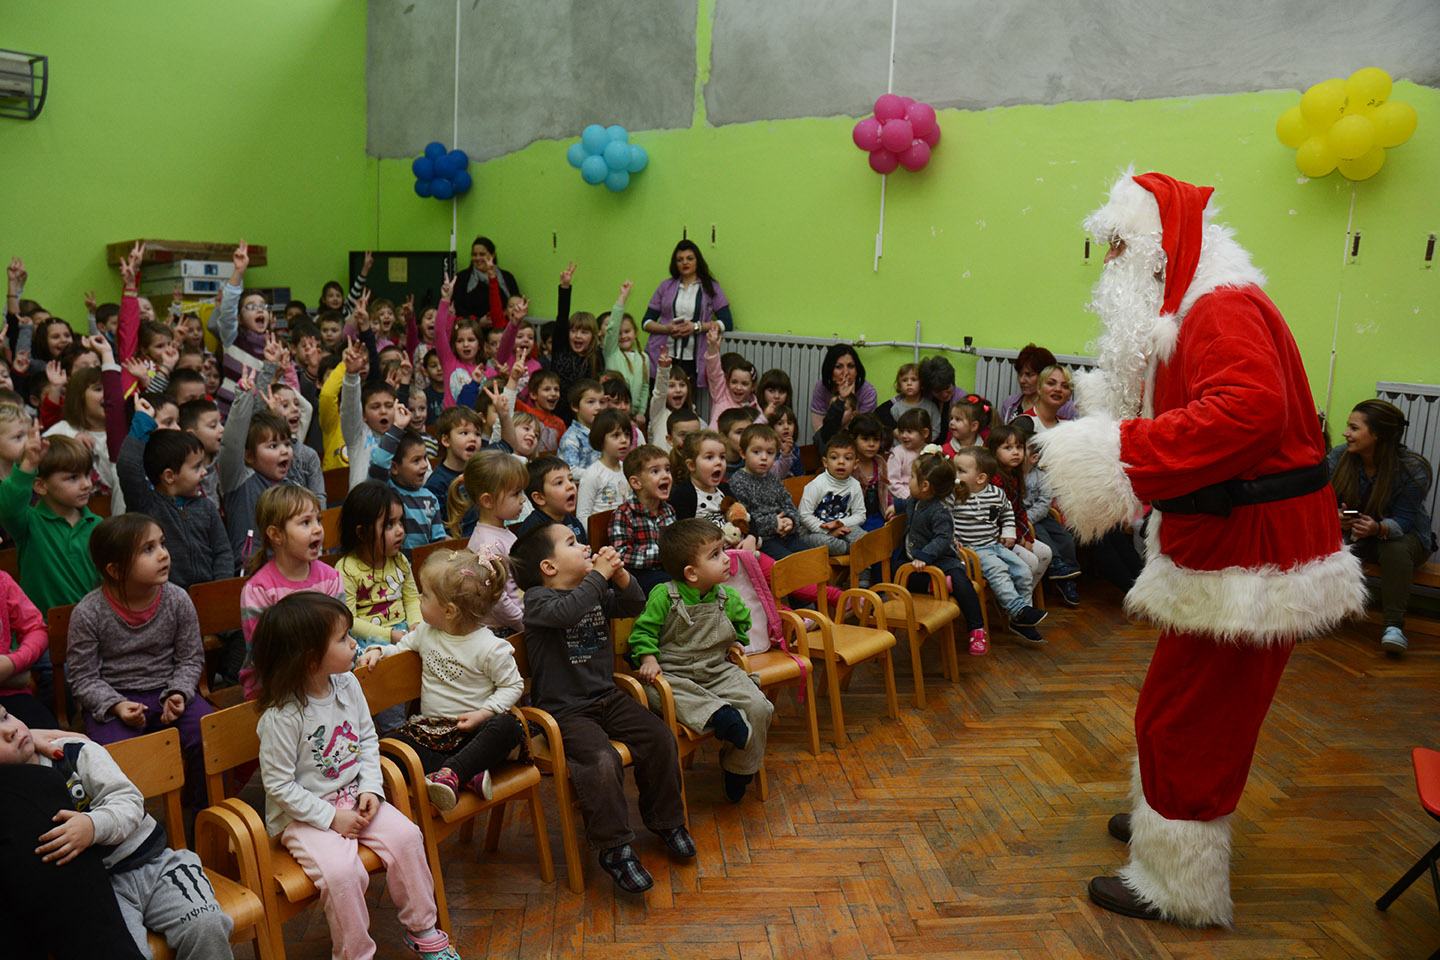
[(1220, 498)]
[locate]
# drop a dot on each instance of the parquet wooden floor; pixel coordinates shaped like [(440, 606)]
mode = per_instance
[(969, 829)]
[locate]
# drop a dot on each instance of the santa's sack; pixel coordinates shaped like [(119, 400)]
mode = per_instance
[(747, 579)]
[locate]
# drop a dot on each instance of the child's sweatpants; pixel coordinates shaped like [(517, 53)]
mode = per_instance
[(838, 546), (1007, 575), (332, 863), (1037, 557), (172, 896)]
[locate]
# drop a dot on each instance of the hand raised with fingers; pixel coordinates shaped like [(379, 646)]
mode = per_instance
[(90, 302), (712, 336), (21, 363), (56, 374), (354, 356), (139, 369), (274, 349), (447, 286), (664, 360), (246, 382), (403, 416), (369, 262), (625, 289), (143, 406), (177, 295), (35, 446), (241, 256), (407, 309), (567, 273), (169, 356), (100, 345), (16, 275)]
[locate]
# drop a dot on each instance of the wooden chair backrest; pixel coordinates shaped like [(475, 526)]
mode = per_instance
[(153, 763), (57, 625), (420, 553), (810, 458), (217, 604), (804, 569), (337, 484), (873, 548), (796, 486), (10, 562), (99, 504), (395, 679), (229, 738), (522, 659), (330, 521), (598, 529)]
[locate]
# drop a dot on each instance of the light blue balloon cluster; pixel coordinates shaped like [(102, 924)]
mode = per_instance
[(441, 173), (606, 155)]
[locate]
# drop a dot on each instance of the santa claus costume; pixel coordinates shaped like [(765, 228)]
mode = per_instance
[(1199, 406)]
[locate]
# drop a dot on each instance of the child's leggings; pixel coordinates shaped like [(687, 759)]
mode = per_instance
[(960, 589), (1037, 557), (332, 862), (1007, 575)]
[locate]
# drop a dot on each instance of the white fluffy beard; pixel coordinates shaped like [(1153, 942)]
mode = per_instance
[(1128, 298)]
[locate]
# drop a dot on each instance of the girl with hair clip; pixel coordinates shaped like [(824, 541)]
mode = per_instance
[(320, 764), (674, 390), (288, 540), (379, 585), (135, 657), (457, 342), (465, 728), (1382, 486), (495, 482)]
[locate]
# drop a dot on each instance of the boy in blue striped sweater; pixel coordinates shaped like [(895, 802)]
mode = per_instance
[(399, 460)]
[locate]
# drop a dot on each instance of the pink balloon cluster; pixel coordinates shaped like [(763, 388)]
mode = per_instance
[(901, 134)]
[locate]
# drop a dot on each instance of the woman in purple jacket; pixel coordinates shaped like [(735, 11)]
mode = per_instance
[(683, 309)]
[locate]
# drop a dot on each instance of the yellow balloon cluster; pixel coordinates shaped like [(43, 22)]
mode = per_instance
[(1346, 124)]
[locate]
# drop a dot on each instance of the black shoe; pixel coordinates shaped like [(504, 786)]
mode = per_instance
[(1062, 571), (735, 785), (1029, 633), (1028, 617), (677, 841), (1068, 592), (1119, 827), (629, 873), (1112, 894), (729, 725)]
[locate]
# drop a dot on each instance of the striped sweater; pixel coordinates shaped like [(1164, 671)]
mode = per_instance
[(423, 523), (983, 518)]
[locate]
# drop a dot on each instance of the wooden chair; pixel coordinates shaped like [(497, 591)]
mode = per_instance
[(337, 485), (796, 486), (153, 763), (217, 604), (100, 504), (239, 847), (844, 645), (810, 459), (10, 562), (420, 553), (549, 753), (395, 680), (921, 615), (597, 528), (330, 521), (57, 624)]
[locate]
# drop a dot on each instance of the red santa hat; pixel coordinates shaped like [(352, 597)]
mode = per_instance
[(1169, 211)]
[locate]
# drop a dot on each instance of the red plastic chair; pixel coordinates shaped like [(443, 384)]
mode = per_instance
[(1427, 782)]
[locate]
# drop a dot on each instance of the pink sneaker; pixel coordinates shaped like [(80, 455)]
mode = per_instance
[(481, 785), (443, 788), (979, 643)]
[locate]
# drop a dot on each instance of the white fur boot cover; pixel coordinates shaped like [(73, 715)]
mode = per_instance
[(1180, 867)]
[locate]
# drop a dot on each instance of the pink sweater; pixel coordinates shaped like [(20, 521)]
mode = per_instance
[(720, 399), (269, 585), (509, 610), (19, 620)]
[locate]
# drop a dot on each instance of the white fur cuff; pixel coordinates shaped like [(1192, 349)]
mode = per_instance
[(1082, 462)]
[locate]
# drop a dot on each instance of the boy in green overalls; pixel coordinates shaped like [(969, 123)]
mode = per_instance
[(686, 631)]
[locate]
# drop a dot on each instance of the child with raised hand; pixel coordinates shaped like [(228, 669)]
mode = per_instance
[(240, 323), (496, 483), (912, 434), (685, 632), (787, 432), (551, 489), (95, 410), (984, 522), (286, 560), (773, 393), (1007, 445), (587, 398), (400, 461), (833, 503), (279, 384), (135, 658), (375, 574), (930, 536), (732, 381), (465, 728), (872, 443), (673, 391), (163, 474), (602, 484), (156, 886), (320, 764), (255, 456), (575, 343), (698, 469), (568, 598), (622, 353), (636, 527), (457, 343)]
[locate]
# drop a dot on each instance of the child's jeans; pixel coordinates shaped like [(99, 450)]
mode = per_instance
[(1037, 557), (332, 863), (1007, 575)]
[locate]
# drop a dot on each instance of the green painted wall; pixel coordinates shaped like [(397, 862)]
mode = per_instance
[(985, 242), (187, 121)]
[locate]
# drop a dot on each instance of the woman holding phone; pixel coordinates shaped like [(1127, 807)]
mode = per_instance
[(1381, 486)]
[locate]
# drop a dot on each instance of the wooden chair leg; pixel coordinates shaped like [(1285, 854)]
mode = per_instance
[(762, 784), (837, 716), (812, 721), (467, 832), (919, 670), (542, 835), (495, 822), (564, 805), (891, 700)]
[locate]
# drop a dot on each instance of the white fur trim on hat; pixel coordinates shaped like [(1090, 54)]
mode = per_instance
[(1255, 606), (1082, 463), (1131, 211), (1180, 867)]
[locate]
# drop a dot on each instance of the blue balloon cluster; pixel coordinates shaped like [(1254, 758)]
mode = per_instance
[(441, 173), (606, 155)]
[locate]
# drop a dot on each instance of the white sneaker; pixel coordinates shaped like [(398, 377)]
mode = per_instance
[(1393, 642)]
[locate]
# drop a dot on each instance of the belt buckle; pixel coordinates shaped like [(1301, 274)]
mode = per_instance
[(1214, 500)]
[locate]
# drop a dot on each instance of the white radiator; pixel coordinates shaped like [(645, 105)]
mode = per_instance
[(995, 377), (1420, 403)]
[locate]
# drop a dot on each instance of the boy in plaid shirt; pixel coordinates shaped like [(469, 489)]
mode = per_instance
[(635, 528)]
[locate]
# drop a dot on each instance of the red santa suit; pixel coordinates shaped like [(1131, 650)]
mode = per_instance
[(1222, 399)]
